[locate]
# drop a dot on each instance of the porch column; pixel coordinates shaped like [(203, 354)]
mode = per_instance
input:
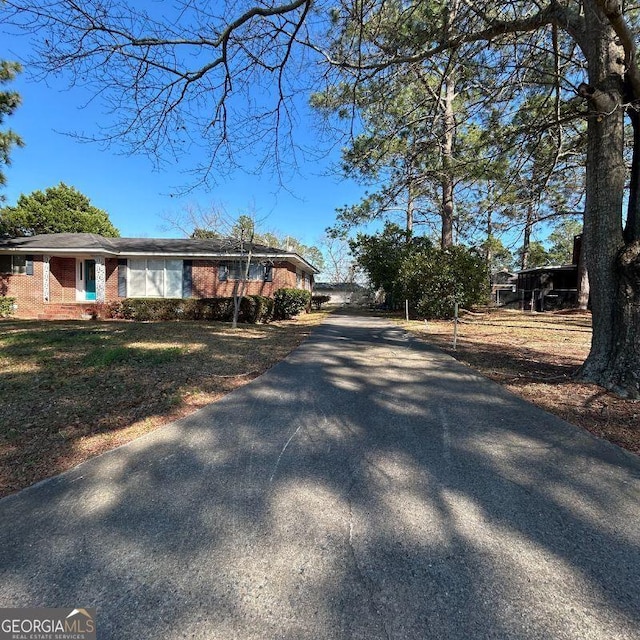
[(101, 279), (46, 271)]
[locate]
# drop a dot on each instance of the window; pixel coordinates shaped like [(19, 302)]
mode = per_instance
[(155, 278), (173, 279), (303, 280), (13, 264), (236, 271)]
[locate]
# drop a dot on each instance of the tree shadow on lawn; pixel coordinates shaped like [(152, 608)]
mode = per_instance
[(75, 389), (363, 489), (511, 363)]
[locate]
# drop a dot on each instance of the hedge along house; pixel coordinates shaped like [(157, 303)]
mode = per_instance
[(65, 275)]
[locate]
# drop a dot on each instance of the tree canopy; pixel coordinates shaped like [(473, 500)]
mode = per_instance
[(59, 209), (561, 239), (9, 102)]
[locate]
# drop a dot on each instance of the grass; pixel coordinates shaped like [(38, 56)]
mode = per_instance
[(71, 390), (102, 356), (536, 357)]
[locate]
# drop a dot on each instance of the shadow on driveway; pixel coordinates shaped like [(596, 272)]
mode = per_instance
[(366, 487)]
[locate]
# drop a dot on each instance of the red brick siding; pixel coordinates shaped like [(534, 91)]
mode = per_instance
[(284, 275), (111, 286), (27, 290), (207, 285), (204, 279), (62, 281)]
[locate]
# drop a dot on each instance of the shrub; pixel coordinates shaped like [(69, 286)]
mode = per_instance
[(253, 309), (6, 306), (290, 302), (214, 309), (434, 279), (318, 301), (148, 309)]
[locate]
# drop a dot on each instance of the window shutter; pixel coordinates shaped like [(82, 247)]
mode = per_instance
[(5, 264), (122, 278), (187, 278), (29, 265)]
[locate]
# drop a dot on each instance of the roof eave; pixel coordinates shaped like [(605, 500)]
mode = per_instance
[(219, 255)]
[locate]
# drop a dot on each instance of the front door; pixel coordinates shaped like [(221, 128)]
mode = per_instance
[(90, 279)]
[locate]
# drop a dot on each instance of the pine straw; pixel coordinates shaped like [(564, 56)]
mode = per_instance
[(72, 390), (536, 356)]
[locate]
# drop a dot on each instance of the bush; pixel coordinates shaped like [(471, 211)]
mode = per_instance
[(6, 306), (290, 302), (263, 311), (218, 309), (318, 301), (434, 279), (253, 309), (144, 309)]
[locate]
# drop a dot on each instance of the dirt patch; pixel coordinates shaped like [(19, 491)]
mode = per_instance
[(536, 356), (71, 390)]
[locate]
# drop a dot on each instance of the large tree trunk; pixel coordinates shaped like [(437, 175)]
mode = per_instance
[(623, 372), (614, 271)]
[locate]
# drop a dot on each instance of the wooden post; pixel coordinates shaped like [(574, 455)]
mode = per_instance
[(406, 310)]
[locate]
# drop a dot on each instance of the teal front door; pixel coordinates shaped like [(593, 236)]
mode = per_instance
[(90, 279)]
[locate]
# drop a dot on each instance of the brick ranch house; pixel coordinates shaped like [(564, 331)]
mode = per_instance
[(64, 275)]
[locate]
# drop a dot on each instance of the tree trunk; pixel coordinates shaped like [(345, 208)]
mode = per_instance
[(526, 238), (488, 255), (623, 373), (614, 270), (410, 206), (239, 289), (449, 130), (583, 284)]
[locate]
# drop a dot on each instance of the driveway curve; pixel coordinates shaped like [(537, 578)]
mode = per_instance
[(367, 487)]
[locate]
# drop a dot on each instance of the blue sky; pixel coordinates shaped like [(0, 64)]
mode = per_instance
[(137, 196)]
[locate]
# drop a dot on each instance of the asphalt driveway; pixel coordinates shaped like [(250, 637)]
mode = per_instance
[(368, 487)]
